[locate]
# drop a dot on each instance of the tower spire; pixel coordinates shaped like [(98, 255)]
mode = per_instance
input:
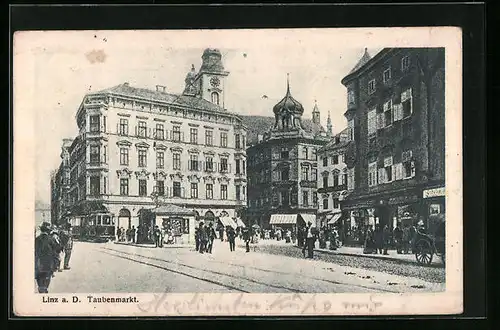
[(329, 125), (288, 83)]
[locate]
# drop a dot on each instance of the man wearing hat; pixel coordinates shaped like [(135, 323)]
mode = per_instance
[(67, 244), (211, 237), (203, 237), (310, 239), (46, 254)]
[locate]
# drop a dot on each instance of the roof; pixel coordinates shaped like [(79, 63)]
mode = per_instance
[(261, 124), (332, 144), (362, 61), (172, 209), (149, 94)]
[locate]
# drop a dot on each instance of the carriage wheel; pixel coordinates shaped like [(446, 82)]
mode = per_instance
[(423, 252)]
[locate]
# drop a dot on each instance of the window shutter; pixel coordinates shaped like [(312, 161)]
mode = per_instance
[(412, 169), (380, 120), (393, 170), (398, 171), (381, 176)]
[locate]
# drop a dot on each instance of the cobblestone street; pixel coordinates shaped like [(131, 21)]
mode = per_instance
[(276, 268)]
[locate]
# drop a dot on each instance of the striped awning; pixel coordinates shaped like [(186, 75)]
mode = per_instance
[(309, 217), (283, 219), (240, 223), (335, 218), (227, 221)]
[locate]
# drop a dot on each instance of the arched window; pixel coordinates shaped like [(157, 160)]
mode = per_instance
[(124, 213), (215, 98)]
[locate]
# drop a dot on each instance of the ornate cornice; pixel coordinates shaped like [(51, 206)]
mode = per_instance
[(124, 173)]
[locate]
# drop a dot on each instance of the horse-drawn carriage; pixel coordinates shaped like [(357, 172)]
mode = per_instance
[(431, 241)]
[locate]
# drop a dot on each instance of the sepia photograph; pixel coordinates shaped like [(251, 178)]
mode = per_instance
[(249, 172)]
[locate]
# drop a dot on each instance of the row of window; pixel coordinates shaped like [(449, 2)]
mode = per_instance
[(176, 190), (338, 180), (284, 198), (391, 172), (194, 164), (177, 135), (334, 159)]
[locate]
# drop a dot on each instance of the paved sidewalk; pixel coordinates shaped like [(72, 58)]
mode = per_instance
[(358, 251)]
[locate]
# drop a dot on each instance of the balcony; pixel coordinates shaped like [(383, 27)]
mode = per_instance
[(308, 184), (96, 165), (332, 188)]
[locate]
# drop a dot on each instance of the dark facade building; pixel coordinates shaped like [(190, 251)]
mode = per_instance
[(60, 184), (396, 121), (282, 167)]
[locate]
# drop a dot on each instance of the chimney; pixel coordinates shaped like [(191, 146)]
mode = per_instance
[(160, 88)]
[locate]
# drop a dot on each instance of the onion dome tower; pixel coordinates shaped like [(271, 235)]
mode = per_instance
[(191, 83), (288, 112)]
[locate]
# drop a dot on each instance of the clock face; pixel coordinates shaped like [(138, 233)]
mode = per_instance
[(214, 81)]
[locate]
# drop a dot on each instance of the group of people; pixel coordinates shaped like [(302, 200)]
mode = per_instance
[(127, 235), (205, 236), (50, 245), (378, 240)]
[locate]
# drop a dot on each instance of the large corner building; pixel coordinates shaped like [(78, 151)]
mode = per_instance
[(138, 148)]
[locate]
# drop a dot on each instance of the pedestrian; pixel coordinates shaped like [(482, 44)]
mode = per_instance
[(406, 239), (133, 232), (310, 240), (221, 233), (231, 235), (246, 237), (369, 244), (412, 236), (385, 238), (203, 237), (45, 257), (67, 244), (59, 248), (398, 237), (211, 237), (197, 237), (378, 237), (157, 236)]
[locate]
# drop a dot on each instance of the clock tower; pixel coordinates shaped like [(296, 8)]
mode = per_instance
[(212, 77)]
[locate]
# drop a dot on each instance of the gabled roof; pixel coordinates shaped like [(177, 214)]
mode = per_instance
[(183, 100), (364, 59)]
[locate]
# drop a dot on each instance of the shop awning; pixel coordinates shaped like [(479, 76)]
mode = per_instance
[(283, 219), (335, 218), (309, 217), (87, 208), (227, 221), (240, 223)]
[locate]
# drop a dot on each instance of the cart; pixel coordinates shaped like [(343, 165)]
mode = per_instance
[(432, 241)]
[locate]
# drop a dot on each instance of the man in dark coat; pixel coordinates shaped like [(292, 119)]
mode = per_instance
[(157, 236), (246, 238), (46, 253), (132, 234), (310, 239), (398, 238), (202, 233), (197, 237), (67, 244), (211, 237), (231, 236), (378, 235), (385, 238)]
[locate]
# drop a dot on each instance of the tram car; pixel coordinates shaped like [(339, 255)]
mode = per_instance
[(94, 228)]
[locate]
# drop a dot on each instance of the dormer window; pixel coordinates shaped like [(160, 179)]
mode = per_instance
[(387, 75), (371, 86)]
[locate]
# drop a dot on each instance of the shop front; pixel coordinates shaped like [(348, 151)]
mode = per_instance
[(434, 202), (176, 224)]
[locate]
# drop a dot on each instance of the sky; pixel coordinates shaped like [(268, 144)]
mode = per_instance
[(59, 68)]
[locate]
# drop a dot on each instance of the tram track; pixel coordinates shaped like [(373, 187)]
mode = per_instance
[(211, 272), (306, 277)]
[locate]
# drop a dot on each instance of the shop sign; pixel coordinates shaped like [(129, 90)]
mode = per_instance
[(436, 192), (403, 200)]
